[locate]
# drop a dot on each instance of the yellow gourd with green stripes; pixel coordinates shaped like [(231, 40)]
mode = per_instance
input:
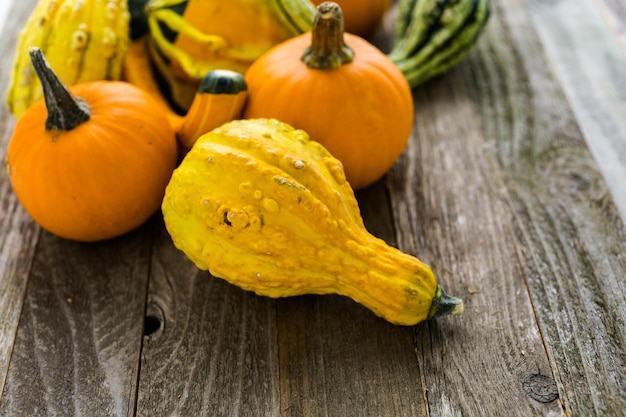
[(84, 40)]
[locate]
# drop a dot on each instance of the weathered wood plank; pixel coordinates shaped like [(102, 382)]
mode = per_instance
[(615, 14), (5, 11), (450, 210), (327, 341), (589, 60), (498, 191), (570, 238), (79, 340), (212, 350), (18, 233)]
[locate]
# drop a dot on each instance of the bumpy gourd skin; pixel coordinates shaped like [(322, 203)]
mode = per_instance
[(257, 203), (83, 41)]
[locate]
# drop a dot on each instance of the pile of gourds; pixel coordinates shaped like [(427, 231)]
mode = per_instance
[(280, 113)]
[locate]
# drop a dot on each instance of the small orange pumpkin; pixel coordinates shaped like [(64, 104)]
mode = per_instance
[(347, 95), (90, 162), (362, 17)]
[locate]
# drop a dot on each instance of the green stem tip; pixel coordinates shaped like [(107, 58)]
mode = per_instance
[(444, 304)]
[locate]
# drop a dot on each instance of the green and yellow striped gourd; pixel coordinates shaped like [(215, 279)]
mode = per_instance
[(432, 36), (83, 40)]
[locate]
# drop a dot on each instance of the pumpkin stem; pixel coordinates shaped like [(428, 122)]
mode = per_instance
[(65, 111), (328, 49)]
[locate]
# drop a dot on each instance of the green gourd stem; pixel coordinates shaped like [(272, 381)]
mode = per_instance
[(223, 81), (444, 304), (65, 111), (328, 49)]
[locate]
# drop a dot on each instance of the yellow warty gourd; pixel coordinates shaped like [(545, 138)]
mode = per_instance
[(259, 204), (84, 40)]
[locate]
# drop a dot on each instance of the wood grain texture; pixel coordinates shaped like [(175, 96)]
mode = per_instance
[(589, 60), (18, 233), (449, 205), (214, 353), (614, 12), (569, 235), (511, 188), (78, 345)]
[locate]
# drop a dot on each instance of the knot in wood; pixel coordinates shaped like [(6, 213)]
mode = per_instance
[(540, 388)]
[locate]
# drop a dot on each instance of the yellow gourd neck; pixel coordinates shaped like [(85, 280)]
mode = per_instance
[(65, 111), (328, 49)]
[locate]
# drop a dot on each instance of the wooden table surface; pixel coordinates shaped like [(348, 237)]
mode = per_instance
[(512, 188)]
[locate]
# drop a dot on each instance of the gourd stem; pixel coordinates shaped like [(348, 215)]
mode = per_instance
[(222, 81), (65, 111), (444, 305), (328, 49)]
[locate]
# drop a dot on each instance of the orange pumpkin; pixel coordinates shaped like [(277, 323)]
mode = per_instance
[(346, 95), (90, 162), (362, 17)]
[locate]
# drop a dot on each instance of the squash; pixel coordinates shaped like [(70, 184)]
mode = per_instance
[(347, 95), (90, 162), (432, 36), (362, 17), (259, 204), (84, 40), (220, 99), (189, 38)]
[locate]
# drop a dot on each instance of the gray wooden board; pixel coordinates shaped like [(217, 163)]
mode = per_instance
[(569, 236), (589, 60), (78, 345), (499, 190), (449, 206), (215, 352), (18, 233)]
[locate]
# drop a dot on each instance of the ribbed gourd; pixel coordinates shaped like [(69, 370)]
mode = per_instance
[(432, 36), (84, 40), (259, 204)]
